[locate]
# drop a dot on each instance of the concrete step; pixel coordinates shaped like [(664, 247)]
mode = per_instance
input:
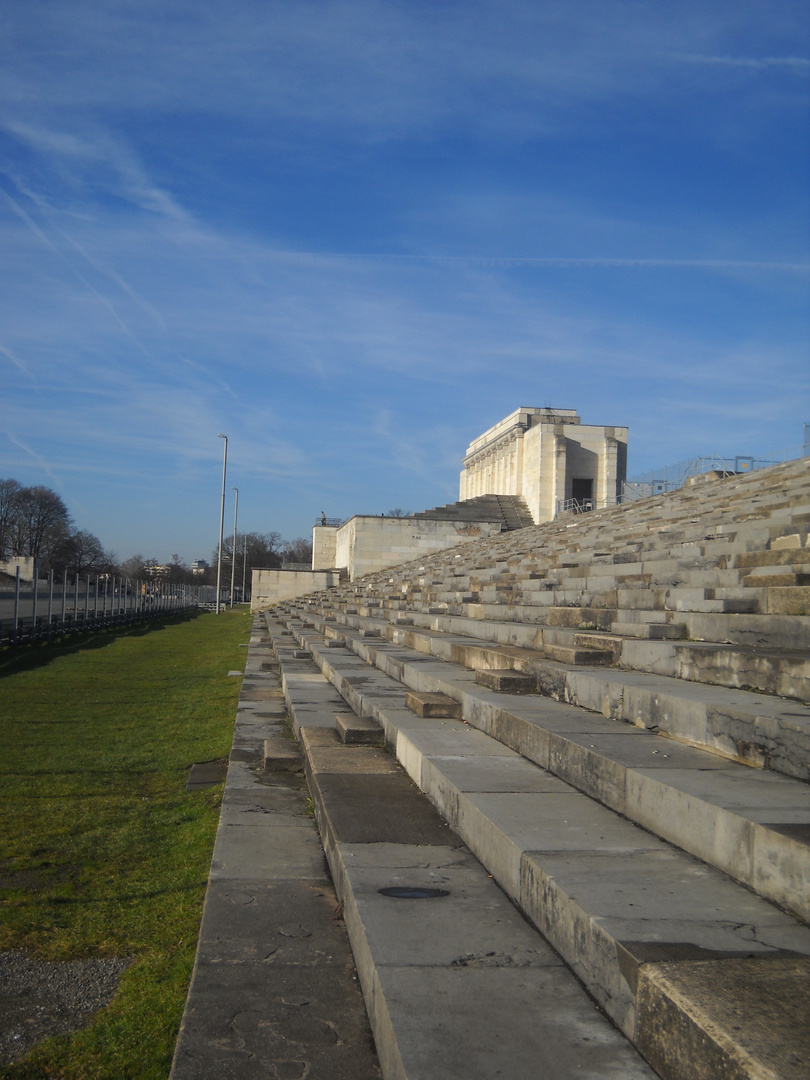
[(649, 930), (783, 672), (506, 681), (577, 654), (429, 704), (357, 730), (650, 630), (753, 825), (456, 982), (780, 556), (785, 600), (757, 729), (578, 618), (761, 630), (770, 631), (601, 641), (776, 576), (279, 754)]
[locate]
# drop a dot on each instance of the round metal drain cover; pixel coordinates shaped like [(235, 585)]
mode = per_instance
[(409, 892)]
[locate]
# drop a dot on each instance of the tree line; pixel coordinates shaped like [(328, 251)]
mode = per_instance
[(260, 551), (34, 522)]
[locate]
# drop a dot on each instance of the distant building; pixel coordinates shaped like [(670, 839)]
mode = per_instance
[(199, 566), (549, 458)]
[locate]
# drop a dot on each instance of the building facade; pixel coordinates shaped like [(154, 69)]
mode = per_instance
[(550, 458)]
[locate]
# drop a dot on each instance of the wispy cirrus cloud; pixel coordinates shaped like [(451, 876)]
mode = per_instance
[(18, 363), (354, 233), (799, 65), (94, 162), (379, 70)]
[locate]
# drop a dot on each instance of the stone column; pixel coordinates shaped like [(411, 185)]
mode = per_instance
[(559, 465), (608, 468)]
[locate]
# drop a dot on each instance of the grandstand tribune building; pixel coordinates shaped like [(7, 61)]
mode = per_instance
[(525, 470), (550, 459)]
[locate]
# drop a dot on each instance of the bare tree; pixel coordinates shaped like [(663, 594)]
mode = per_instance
[(133, 568), (41, 522), (9, 496), (80, 553), (398, 512), (179, 573), (263, 552), (297, 551)]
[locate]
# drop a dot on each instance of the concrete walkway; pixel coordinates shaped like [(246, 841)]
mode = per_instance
[(274, 994)]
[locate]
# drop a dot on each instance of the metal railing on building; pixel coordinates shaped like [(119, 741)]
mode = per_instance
[(672, 477)]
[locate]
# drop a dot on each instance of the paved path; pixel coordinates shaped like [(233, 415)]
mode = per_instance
[(274, 993)]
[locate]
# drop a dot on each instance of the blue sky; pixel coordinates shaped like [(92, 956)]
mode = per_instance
[(353, 235)]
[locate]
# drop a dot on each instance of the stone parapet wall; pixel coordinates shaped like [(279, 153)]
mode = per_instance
[(271, 587), (365, 545)]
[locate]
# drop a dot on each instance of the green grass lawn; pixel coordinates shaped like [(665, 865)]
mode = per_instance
[(102, 851)]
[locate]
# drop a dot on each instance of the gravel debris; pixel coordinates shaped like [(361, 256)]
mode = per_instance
[(41, 998)]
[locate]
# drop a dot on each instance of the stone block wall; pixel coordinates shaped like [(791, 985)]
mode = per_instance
[(24, 562), (324, 541), (271, 587), (367, 544)]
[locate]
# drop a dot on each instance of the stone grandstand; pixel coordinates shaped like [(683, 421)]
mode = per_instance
[(610, 712)]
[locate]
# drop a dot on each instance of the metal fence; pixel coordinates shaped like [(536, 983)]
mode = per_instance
[(59, 608), (673, 477)]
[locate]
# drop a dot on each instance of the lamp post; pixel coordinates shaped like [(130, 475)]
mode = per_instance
[(221, 516), (233, 549), (244, 565)]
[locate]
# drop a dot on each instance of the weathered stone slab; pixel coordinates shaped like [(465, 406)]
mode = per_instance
[(281, 755), (780, 543), (791, 600), (432, 704), (205, 774), (357, 729), (743, 1017), (506, 681)]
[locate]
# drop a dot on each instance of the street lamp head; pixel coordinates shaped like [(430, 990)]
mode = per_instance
[(222, 436)]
